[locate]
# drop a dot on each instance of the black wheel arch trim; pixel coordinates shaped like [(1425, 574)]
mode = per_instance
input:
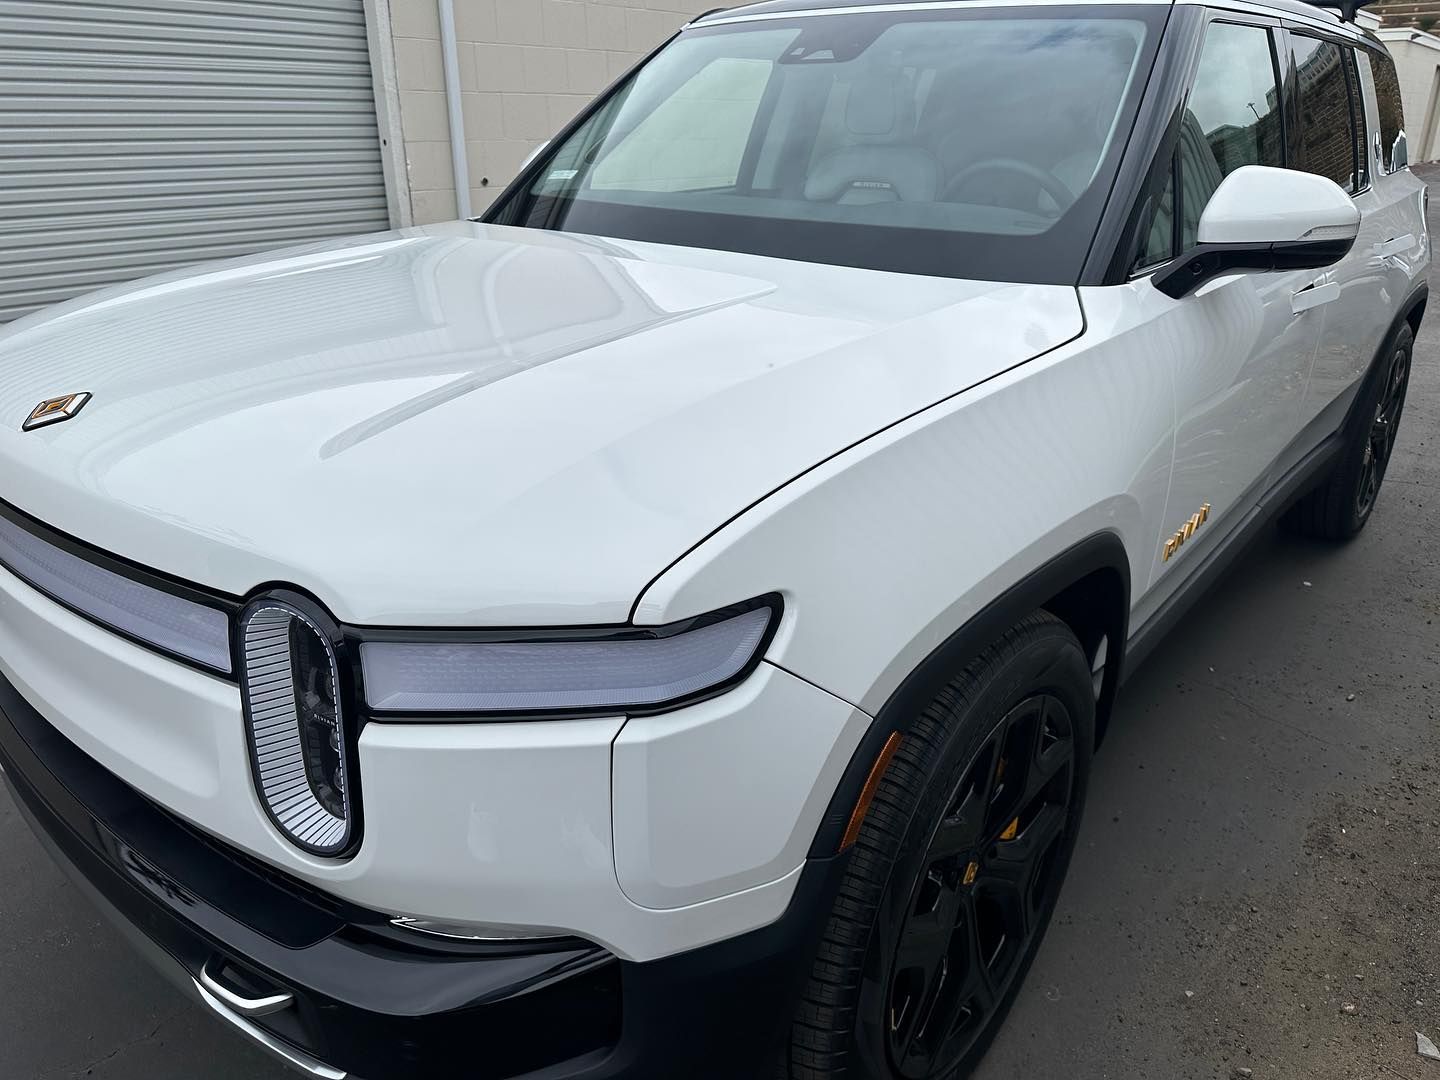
[(1416, 301), (1101, 552)]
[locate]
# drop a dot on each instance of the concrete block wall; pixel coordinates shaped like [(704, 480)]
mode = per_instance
[(526, 68)]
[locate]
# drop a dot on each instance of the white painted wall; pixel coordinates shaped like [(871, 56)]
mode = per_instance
[(526, 68), (1417, 61)]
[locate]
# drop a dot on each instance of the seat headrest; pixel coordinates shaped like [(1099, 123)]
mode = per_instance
[(881, 106), (863, 175)]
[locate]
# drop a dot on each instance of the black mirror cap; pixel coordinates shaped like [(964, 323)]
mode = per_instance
[(1182, 276)]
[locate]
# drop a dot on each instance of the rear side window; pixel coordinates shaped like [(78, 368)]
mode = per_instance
[(1357, 117), (1325, 140), (1387, 99)]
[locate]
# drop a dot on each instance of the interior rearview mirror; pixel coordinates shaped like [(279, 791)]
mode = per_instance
[(1262, 218)]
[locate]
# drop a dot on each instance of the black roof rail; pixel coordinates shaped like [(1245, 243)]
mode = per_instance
[(1348, 8), (714, 11)]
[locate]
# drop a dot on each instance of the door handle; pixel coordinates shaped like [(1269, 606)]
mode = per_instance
[(1312, 296), (1395, 246)]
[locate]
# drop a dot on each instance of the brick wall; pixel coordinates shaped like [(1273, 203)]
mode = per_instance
[(526, 68), (1325, 105), (1420, 13)]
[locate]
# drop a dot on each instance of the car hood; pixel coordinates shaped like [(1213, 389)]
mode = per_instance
[(470, 424)]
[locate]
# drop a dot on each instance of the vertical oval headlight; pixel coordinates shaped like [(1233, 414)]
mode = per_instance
[(295, 722)]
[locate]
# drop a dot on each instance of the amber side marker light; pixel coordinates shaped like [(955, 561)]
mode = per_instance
[(867, 793)]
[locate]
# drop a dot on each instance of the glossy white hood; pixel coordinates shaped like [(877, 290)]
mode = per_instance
[(473, 425)]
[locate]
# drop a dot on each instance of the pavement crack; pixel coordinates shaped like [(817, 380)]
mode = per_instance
[(1269, 718), (85, 1070)]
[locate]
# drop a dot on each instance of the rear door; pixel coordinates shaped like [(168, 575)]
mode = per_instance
[(1328, 125), (1398, 194)]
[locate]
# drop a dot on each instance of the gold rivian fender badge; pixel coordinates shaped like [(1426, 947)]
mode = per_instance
[(1176, 542), (56, 411)]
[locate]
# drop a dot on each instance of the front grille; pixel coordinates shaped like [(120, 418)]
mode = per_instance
[(365, 1000)]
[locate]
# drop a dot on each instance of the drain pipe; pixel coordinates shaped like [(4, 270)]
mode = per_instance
[(459, 160)]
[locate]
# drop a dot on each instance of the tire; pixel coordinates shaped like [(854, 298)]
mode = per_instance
[(921, 859), (1339, 508)]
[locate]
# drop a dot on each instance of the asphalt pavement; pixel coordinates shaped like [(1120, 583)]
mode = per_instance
[(1257, 884)]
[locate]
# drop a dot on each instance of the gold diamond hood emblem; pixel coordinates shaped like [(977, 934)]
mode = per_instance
[(56, 411)]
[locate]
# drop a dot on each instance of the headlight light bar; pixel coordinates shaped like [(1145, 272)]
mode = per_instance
[(137, 604), (630, 670)]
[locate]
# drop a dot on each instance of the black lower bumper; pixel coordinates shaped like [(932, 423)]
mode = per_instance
[(369, 1001)]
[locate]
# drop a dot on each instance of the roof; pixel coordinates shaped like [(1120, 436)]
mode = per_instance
[(782, 7)]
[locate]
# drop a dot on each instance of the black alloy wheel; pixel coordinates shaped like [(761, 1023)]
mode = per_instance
[(1375, 457), (957, 868), (990, 872), (1342, 504)]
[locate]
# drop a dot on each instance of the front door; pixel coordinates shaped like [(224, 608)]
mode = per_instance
[(1240, 381)]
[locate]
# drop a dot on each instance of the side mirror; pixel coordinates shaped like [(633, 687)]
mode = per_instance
[(1266, 219)]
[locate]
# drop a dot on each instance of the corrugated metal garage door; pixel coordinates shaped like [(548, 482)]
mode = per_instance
[(141, 135)]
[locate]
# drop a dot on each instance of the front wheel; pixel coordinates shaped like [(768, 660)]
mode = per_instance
[(956, 870)]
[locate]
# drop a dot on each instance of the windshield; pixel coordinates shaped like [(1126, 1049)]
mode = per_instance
[(958, 142)]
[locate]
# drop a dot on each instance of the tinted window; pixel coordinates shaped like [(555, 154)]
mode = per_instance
[(967, 143), (1325, 140), (1387, 99), (1157, 244), (1357, 116), (695, 139), (1232, 117)]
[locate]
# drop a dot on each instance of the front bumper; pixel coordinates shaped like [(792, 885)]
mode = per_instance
[(651, 837), (369, 1001)]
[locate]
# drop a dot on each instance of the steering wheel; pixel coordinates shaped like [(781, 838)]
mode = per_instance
[(1049, 183)]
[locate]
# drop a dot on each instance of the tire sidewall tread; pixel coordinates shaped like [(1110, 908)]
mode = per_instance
[(1038, 654)]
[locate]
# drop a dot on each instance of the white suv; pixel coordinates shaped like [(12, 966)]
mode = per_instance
[(662, 631)]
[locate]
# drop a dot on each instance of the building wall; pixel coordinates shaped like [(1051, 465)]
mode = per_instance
[(1417, 62), (526, 68)]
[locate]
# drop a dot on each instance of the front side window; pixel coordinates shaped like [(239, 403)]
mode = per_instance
[(959, 143), (1158, 242), (1232, 118), (1325, 138), (1387, 100)]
